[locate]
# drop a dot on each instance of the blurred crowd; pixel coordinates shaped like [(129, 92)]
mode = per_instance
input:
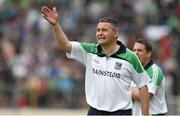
[(35, 73)]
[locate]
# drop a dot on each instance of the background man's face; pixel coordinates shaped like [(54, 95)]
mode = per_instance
[(141, 52)]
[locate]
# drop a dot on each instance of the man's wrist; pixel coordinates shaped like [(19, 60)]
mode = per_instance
[(56, 25)]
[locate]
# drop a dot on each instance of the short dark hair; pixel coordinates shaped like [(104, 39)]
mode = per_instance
[(147, 45), (111, 21)]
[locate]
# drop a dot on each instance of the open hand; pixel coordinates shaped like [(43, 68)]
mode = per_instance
[(50, 15)]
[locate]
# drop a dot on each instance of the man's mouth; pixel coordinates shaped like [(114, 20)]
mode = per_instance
[(101, 38)]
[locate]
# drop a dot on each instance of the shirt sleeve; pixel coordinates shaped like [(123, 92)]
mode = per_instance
[(139, 75), (141, 79), (156, 79), (77, 53), (152, 88)]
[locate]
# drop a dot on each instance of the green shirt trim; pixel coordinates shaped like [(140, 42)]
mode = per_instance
[(123, 53)]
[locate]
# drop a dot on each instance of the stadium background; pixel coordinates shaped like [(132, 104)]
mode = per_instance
[(37, 78)]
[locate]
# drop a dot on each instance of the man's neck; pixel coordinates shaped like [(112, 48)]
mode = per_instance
[(110, 49), (147, 61)]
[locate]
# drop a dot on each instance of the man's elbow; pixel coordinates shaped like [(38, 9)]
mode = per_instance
[(143, 90), (66, 48)]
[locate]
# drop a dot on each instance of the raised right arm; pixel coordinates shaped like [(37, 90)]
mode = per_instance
[(52, 17)]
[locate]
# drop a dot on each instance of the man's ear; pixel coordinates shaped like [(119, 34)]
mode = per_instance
[(117, 34), (149, 54)]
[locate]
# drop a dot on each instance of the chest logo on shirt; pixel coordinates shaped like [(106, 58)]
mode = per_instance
[(118, 66), (96, 61)]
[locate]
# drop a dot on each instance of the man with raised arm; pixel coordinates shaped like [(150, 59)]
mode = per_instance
[(110, 67)]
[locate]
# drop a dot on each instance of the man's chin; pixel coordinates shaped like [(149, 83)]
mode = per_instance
[(101, 42)]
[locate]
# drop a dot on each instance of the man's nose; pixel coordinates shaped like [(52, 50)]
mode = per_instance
[(136, 52), (100, 33)]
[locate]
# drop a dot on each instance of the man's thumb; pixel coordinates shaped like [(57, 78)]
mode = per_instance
[(54, 10)]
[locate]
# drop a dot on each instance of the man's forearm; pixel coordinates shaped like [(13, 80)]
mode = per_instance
[(144, 97), (61, 38)]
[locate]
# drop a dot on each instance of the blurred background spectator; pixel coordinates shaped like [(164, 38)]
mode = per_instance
[(35, 73)]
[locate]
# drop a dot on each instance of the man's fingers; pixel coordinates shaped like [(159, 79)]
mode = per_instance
[(44, 13), (48, 20), (48, 14), (45, 10)]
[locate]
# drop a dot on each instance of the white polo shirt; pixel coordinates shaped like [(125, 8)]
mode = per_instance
[(108, 79), (156, 86)]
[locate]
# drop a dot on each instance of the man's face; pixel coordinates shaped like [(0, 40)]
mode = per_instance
[(141, 52), (106, 33)]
